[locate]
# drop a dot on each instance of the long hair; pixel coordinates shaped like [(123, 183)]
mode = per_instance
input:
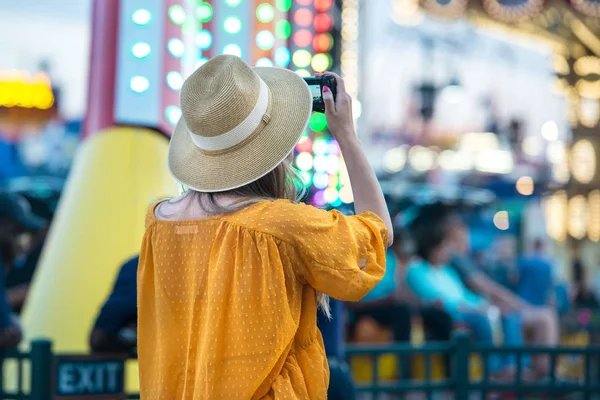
[(283, 182)]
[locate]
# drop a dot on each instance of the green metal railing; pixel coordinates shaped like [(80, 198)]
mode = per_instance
[(460, 383), (34, 372)]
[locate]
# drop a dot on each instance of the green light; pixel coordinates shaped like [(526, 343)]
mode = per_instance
[(321, 62), (283, 5), (232, 25), (283, 29), (177, 14), (141, 17), (265, 13), (301, 58), (233, 3), (318, 122), (204, 12)]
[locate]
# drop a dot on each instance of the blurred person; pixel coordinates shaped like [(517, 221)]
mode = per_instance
[(20, 274), (535, 276), (232, 272), (16, 219), (541, 322), (434, 282), (114, 330), (583, 295), (392, 305)]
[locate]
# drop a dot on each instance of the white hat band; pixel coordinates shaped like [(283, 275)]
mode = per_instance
[(240, 132)]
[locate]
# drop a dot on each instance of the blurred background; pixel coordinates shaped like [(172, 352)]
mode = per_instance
[(487, 108)]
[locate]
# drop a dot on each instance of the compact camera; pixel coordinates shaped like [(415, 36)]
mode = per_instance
[(316, 83)]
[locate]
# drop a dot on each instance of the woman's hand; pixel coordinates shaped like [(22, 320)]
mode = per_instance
[(339, 112)]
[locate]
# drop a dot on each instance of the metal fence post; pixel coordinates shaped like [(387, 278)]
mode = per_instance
[(461, 365), (41, 370)]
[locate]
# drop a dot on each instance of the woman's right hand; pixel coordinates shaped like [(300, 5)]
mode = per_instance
[(339, 112)]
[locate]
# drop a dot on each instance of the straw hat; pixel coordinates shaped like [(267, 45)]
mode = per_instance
[(238, 123)]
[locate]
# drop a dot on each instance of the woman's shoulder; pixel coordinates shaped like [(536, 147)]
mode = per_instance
[(285, 216)]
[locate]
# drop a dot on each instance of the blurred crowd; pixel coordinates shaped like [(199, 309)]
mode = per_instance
[(434, 283)]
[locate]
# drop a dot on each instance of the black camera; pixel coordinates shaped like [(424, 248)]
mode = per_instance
[(316, 83)]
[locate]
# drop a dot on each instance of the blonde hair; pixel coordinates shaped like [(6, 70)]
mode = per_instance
[(283, 182)]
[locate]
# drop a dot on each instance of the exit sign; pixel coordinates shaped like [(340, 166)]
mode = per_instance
[(89, 377)]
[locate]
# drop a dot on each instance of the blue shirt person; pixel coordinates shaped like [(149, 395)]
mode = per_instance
[(114, 329)]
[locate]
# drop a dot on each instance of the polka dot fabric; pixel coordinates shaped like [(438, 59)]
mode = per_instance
[(227, 305)]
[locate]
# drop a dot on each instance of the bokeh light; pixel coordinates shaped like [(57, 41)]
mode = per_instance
[(232, 49), (302, 38), (232, 25), (139, 84), (323, 42), (303, 17), (304, 161), (141, 17), (282, 56), (283, 29), (319, 198), (525, 186), (174, 80), (320, 180), (323, 22), (318, 123), (320, 163), (233, 3), (304, 2), (301, 58), (331, 195), (333, 164), (323, 5), (265, 40), (264, 62), (173, 114), (283, 5), (203, 39), (303, 73), (320, 145), (204, 12), (501, 220), (265, 13), (304, 144), (321, 62), (140, 50), (177, 14), (176, 47)]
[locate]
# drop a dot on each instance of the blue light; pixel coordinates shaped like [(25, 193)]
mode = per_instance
[(282, 57), (173, 113)]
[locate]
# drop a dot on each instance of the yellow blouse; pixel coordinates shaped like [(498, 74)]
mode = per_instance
[(227, 305)]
